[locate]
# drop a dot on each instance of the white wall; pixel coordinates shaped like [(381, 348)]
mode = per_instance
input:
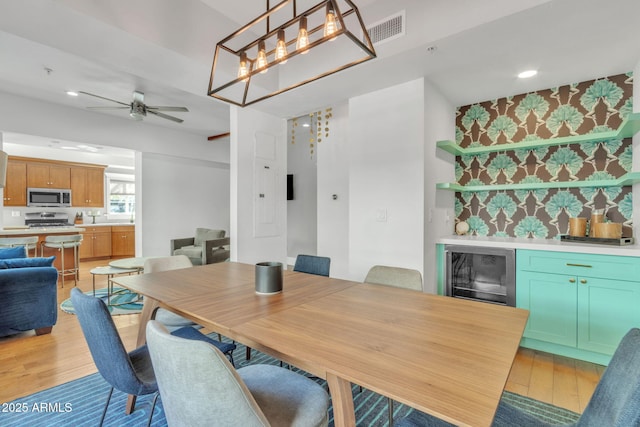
[(302, 211), (439, 124), (246, 247), (333, 178), (180, 195), (386, 179)]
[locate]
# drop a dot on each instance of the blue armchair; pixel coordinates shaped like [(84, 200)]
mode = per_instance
[(28, 290)]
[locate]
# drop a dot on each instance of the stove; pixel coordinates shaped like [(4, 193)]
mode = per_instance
[(46, 219)]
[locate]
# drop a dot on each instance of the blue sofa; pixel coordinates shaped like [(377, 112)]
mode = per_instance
[(28, 293)]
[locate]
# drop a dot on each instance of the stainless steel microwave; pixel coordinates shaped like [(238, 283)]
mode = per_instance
[(48, 197)]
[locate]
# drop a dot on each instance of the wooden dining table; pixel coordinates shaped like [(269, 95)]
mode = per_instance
[(444, 356)]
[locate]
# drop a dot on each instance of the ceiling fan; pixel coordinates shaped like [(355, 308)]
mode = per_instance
[(137, 108)]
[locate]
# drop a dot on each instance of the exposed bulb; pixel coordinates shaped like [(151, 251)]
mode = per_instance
[(261, 61), (243, 70), (330, 24), (303, 37), (281, 48)]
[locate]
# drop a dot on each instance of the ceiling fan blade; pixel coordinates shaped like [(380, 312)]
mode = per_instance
[(102, 97), (165, 116), (108, 108), (185, 109)]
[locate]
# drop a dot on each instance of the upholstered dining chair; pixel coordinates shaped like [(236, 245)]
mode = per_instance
[(132, 372), (400, 278), (171, 320), (615, 401), (128, 372), (312, 264), (199, 387), (394, 276)]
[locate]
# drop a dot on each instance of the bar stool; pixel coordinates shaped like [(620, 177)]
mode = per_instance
[(61, 243), (29, 243)]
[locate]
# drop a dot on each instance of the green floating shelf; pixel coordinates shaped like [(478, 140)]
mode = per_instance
[(627, 129), (625, 180)]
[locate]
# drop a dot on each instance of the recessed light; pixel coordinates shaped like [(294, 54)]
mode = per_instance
[(527, 74), (72, 93), (67, 147), (305, 125)]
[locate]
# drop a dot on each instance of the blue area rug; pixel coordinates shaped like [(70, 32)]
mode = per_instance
[(80, 403), (121, 301)]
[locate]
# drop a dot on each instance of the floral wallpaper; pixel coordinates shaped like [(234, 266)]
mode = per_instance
[(588, 107)]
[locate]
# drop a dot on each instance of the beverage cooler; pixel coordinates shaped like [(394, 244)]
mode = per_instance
[(479, 273)]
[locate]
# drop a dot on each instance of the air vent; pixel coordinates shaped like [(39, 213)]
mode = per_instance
[(389, 28)]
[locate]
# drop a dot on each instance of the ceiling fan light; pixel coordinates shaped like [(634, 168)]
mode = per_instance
[(330, 23), (281, 47), (302, 43), (261, 61)]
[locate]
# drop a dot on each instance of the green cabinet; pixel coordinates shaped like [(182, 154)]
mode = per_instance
[(580, 305)]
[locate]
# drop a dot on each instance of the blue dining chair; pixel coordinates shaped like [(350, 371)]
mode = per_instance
[(129, 372), (312, 264), (615, 401)]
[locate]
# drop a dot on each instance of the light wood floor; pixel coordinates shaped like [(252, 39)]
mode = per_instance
[(30, 363)]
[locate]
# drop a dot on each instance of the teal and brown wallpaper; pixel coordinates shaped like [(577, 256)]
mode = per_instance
[(576, 109)]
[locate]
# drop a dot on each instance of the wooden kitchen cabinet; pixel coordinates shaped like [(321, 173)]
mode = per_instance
[(48, 175), (96, 242), (87, 187), (123, 241), (15, 190), (580, 305)]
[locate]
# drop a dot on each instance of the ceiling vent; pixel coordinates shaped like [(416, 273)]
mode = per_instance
[(387, 29)]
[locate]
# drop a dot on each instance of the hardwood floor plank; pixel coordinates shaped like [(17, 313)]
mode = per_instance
[(565, 387)]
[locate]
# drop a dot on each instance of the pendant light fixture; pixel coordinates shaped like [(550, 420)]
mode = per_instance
[(302, 42), (239, 66), (281, 48), (243, 70), (330, 25), (261, 61)]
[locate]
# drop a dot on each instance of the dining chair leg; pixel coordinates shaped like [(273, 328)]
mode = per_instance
[(248, 355), (390, 411), (131, 404), (106, 406), (153, 406)]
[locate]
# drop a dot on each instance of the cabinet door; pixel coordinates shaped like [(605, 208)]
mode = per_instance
[(60, 176), (15, 190), (86, 247), (95, 187), (123, 241), (551, 301), (38, 175), (607, 309), (78, 187), (102, 244)]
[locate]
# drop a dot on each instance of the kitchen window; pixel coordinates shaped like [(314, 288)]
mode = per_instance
[(121, 198)]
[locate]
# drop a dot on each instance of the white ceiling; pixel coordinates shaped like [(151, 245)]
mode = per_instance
[(164, 48)]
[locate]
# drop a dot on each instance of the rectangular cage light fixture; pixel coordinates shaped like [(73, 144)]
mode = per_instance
[(259, 61)]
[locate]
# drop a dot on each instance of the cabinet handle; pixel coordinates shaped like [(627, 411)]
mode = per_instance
[(583, 281), (572, 280), (578, 265)]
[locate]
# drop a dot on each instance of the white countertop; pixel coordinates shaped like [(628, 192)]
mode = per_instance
[(106, 224), (541, 245), (35, 231)]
